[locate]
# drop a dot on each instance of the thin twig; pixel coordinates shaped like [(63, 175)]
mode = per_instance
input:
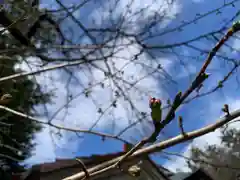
[(59, 126), (180, 123), (84, 168), (54, 67)]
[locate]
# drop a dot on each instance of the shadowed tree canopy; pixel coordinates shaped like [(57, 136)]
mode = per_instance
[(17, 133), (221, 161)]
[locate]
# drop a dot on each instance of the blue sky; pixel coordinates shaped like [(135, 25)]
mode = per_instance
[(82, 112)]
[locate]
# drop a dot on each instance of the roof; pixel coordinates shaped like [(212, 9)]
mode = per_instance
[(68, 163), (88, 161)]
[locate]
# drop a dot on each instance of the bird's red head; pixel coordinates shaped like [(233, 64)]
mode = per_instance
[(154, 102)]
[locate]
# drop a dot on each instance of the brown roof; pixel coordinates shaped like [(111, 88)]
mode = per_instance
[(65, 163), (68, 163), (88, 161)]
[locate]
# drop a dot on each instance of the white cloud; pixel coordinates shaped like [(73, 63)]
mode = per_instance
[(82, 111), (139, 10), (44, 150)]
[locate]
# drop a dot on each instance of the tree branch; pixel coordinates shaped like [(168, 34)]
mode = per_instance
[(180, 123), (106, 166), (54, 67), (83, 167), (59, 126), (180, 98)]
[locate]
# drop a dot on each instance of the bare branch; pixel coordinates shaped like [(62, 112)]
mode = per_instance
[(180, 123), (59, 126), (106, 166), (84, 168), (179, 98), (15, 76)]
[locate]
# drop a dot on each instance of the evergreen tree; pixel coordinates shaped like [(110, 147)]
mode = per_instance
[(16, 133)]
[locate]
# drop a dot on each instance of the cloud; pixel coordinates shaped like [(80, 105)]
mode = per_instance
[(44, 150), (82, 112), (140, 10)]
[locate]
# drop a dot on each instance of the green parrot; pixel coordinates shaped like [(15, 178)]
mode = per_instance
[(127, 147), (156, 113)]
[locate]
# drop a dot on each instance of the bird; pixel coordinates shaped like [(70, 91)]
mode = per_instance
[(5, 99), (156, 111)]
